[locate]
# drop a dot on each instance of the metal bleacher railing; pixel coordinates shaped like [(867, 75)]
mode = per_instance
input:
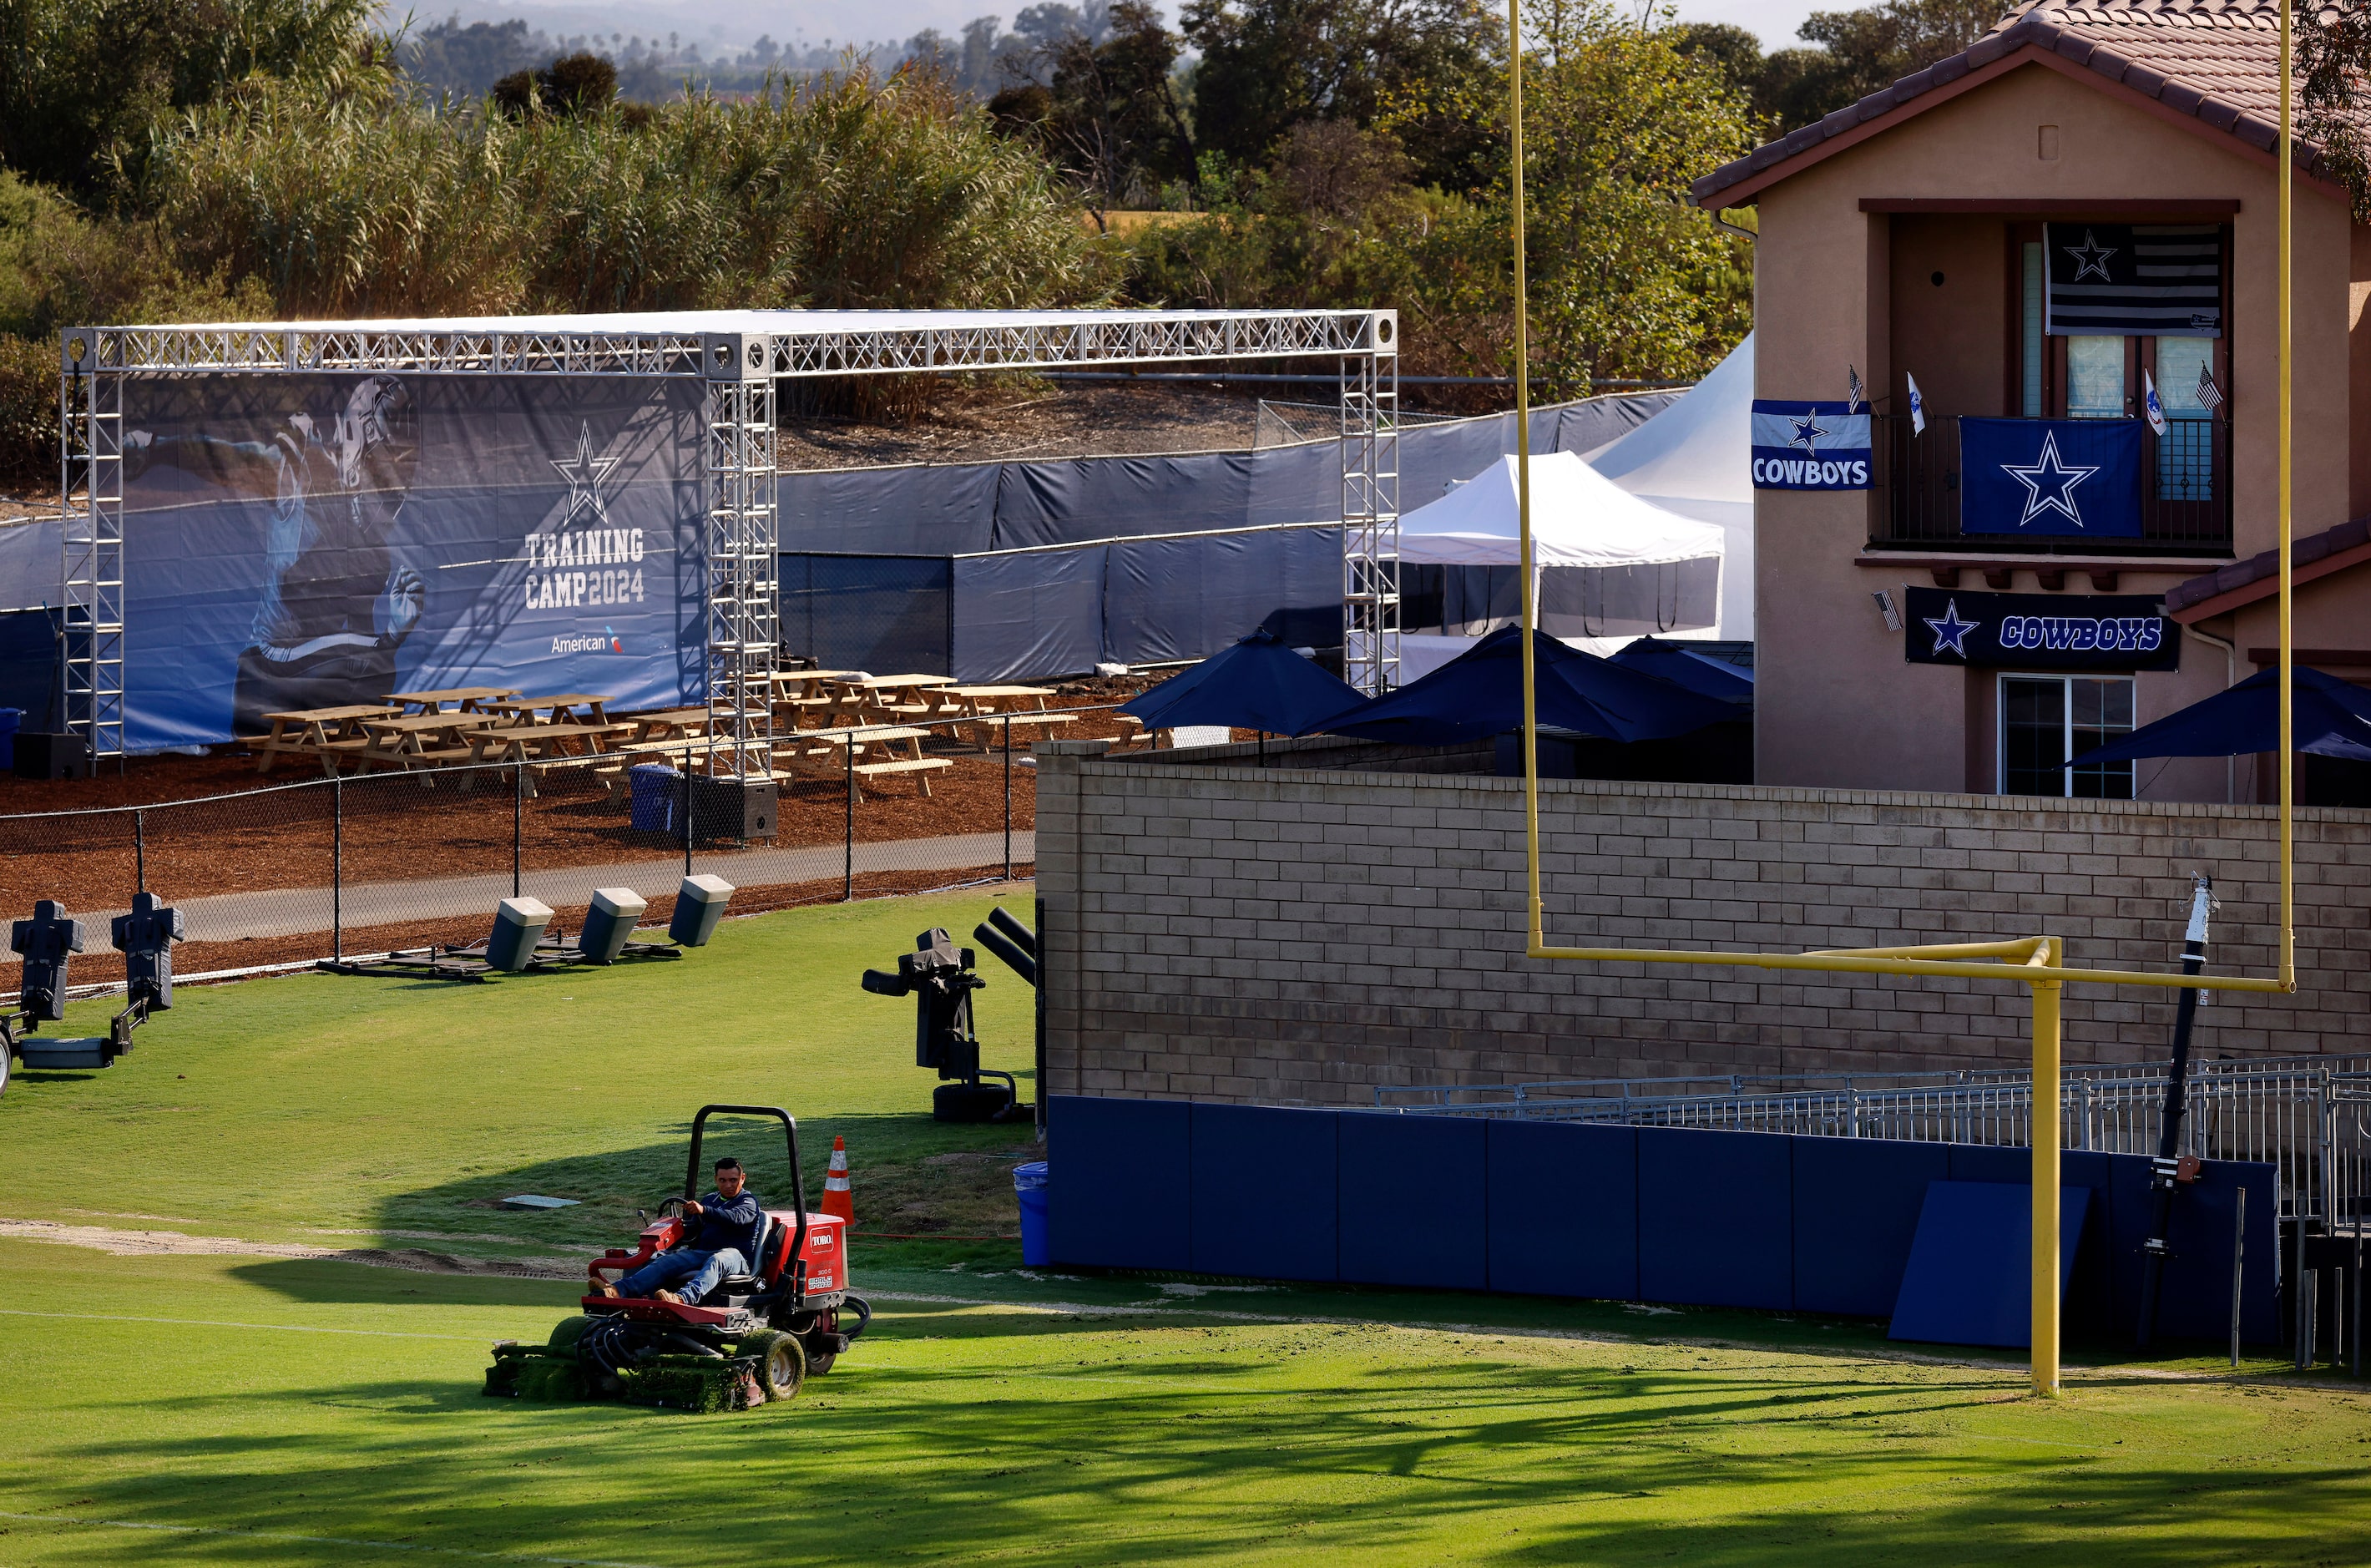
[(2310, 1117)]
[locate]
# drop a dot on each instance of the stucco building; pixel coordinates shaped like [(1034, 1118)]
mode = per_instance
[(1959, 231)]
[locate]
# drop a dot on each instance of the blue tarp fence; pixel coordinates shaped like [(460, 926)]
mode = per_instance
[(1757, 1220), (1056, 566), (539, 533)]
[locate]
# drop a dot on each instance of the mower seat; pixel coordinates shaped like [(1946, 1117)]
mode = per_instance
[(747, 1284)]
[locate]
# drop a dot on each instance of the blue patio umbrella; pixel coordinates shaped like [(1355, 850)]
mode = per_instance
[(2331, 718), (1257, 684), (1480, 693), (1681, 666)]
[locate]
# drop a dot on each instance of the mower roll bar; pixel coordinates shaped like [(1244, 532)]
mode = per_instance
[(798, 1184)]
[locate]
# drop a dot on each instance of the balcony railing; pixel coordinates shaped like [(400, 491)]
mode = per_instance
[(2184, 483)]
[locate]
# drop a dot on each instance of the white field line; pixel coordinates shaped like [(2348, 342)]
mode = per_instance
[(319, 1540)]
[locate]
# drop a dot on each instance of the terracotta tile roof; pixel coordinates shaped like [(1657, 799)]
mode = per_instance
[(2216, 58), (2265, 564)]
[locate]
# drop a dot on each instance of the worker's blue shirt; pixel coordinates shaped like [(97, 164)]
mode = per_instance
[(738, 1223)]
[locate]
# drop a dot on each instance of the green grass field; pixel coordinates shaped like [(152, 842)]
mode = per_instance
[(254, 1409)]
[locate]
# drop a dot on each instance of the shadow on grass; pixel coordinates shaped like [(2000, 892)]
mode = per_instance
[(925, 1176), (333, 1282), (1117, 1460)]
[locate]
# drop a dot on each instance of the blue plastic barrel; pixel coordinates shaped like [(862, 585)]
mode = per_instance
[(10, 718), (655, 793), (1029, 1186)]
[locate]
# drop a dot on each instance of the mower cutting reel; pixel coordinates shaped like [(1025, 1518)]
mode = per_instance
[(755, 1337)]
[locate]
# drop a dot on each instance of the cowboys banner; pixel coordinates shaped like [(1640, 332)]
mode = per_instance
[(2117, 631), (1809, 445), (2073, 477), (2135, 280), (309, 541)]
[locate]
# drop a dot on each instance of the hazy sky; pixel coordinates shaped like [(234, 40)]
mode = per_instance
[(813, 21), (1775, 20)]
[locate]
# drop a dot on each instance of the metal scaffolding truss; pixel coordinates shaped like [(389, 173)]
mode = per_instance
[(1370, 523), (739, 354), (737, 468), (90, 420)]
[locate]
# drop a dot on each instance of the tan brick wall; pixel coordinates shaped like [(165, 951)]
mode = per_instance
[(1286, 934)]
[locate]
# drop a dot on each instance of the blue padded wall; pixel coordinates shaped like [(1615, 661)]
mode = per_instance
[(1413, 1200), (1716, 1218), (1969, 1282), (2195, 1300), (2090, 1308), (1264, 1191), (1564, 1209), (1857, 1203), (1971, 1162), (1118, 1194)]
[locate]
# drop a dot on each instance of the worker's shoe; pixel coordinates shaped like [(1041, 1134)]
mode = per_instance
[(609, 1290), (668, 1297)]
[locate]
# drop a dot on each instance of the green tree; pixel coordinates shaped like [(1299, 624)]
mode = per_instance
[(1628, 278), (1864, 51), (84, 82), (1108, 111), (1269, 65), (2333, 63), (574, 85)]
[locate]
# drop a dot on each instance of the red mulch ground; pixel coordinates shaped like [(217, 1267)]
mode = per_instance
[(239, 836)]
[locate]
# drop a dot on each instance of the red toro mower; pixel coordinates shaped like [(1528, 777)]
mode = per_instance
[(754, 1335)]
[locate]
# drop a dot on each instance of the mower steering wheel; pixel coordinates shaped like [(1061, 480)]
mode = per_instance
[(673, 1209)]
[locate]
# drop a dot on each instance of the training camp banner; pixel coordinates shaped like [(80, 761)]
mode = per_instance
[(1809, 445), (315, 540), (2075, 632), (2063, 478)]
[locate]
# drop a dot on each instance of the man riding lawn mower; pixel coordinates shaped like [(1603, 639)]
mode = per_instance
[(756, 1307)]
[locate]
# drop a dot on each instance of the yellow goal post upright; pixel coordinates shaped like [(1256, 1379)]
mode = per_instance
[(2037, 961)]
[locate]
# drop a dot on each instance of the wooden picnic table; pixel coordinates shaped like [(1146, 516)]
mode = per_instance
[(424, 741), (522, 710), (853, 742), (671, 729), (994, 727), (994, 699), (899, 682), (891, 698), (324, 732), (540, 743), (827, 693), (467, 698)]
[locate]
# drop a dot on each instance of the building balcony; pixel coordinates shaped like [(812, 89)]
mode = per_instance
[(1916, 495)]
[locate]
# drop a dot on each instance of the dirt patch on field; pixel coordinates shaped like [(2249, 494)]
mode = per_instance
[(161, 1243)]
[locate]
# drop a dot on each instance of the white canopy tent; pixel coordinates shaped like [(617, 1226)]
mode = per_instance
[(1696, 457), (1611, 567)]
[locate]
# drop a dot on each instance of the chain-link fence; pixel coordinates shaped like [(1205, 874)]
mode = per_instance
[(362, 864)]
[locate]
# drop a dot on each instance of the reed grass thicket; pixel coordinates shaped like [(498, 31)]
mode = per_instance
[(351, 196)]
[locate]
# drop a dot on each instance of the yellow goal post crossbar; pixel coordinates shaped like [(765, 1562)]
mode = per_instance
[(2037, 962)]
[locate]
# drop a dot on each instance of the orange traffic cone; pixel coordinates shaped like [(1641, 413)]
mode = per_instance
[(837, 1198)]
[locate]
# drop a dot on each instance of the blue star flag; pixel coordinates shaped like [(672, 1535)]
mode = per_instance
[(2070, 478)]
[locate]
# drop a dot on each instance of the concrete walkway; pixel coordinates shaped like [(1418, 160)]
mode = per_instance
[(287, 911)]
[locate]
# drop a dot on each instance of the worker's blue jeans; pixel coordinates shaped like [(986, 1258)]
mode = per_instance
[(698, 1270)]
